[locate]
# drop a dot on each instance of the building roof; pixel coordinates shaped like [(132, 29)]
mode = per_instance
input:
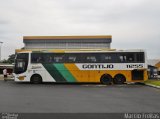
[(66, 37), (152, 62), (158, 64)]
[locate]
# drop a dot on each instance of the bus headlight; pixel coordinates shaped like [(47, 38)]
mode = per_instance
[(21, 77)]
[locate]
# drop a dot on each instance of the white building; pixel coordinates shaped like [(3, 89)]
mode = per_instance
[(67, 42)]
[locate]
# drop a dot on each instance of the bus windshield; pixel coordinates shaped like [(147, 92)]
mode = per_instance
[(21, 63)]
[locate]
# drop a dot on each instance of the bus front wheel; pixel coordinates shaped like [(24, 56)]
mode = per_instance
[(36, 79), (119, 79), (106, 79)]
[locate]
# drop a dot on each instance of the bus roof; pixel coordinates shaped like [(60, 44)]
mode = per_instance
[(75, 50)]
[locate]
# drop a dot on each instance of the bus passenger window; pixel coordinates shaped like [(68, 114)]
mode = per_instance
[(123, 58), (91, 59), (140, 57), (50, 59), (39, 59), (71, 59), (130, 57), (58, 59), (36, 58), (106, 58), (126, 57)]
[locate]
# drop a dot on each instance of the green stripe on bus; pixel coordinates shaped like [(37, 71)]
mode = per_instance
[(65, 72), (54, 72)]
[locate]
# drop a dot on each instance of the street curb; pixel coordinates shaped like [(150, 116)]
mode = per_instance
[(11, 79), (153, 86)]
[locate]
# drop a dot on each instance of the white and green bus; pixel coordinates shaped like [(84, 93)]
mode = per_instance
[(99, 66)]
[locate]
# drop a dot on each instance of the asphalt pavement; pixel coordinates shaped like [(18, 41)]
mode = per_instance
[(77, 98)]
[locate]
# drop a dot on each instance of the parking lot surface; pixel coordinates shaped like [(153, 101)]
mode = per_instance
[(77, 98)]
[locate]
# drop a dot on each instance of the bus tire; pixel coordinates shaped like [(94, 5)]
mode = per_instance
[(106, 79), (119, 79), (36, 79)]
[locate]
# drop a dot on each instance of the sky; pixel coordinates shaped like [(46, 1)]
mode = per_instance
[(133, 24)]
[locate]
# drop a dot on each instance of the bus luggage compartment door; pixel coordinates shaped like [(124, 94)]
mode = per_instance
[(137, 75)]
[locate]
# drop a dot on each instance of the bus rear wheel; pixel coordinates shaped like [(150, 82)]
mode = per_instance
[(106, 79), (36, 79), (119, 79)]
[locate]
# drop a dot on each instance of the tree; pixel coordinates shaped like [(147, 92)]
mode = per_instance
[(4, 61), (10, 59)]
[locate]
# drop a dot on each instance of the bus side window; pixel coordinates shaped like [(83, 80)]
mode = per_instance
[(59, 58), (71, 58), (130, 57), (37, 58), (33, 58), (40, 58), (89, 58), (127, 57), (122, 57), (48, 58), (140, 57), (106, 58)]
